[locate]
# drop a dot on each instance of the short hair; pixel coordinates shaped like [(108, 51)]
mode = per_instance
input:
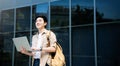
[(42, 16)]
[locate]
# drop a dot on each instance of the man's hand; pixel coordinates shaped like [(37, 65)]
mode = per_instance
[(23, 50)]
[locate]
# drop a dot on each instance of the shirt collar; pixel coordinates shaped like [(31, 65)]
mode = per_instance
[(44, 32)]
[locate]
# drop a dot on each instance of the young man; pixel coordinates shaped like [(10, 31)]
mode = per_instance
[(41, 46)]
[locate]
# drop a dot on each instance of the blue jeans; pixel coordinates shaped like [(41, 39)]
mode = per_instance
[(36, 62)]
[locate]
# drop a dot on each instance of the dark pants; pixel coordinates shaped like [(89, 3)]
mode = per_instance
[(36, 62), (46, 64)]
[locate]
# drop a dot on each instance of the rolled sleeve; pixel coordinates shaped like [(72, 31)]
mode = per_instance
[(53, 39)]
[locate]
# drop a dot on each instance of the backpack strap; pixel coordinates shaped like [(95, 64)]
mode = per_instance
[(58, 54), (48, 38)]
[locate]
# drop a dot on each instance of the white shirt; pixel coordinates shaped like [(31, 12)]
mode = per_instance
[(37, 54)]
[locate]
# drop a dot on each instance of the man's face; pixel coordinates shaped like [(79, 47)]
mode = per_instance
[(40, 23)]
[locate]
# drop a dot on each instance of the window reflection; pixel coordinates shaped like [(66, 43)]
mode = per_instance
[(109, 12), (23, 19), (7, 20), (108, 32), (82, 13), (82, 16), (59, 14), (6, 34)]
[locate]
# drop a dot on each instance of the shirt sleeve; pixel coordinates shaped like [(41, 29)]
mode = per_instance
[(53, 39)]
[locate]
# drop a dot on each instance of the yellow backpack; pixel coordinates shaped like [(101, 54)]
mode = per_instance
[(58, 58)]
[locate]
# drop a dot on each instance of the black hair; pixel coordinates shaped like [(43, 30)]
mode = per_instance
[(42, 16)]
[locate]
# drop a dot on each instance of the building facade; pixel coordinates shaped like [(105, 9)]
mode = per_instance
[(88, 30)]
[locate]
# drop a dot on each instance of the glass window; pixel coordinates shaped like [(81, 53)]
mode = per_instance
[(82, 32), (23, 19), (59, 23), (108, 32), (83, 46), (6, 35), (59, 13), (22, 29), (107, 12), (82, 12)]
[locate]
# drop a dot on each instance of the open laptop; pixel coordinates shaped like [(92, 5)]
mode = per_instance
[(21, 42)]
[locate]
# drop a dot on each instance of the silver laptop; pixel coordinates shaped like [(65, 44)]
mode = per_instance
[(21, 42)]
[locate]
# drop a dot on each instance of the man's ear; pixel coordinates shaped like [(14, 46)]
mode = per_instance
[(45, 23)]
